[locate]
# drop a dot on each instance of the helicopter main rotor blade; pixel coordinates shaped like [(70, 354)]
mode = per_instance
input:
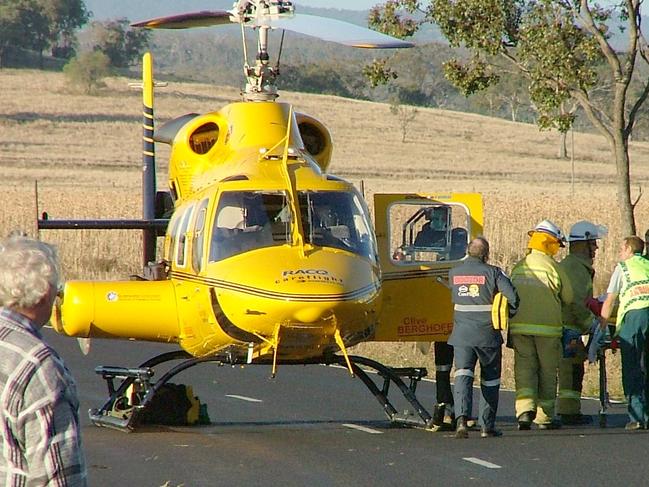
[(205, 18), (332, 30)]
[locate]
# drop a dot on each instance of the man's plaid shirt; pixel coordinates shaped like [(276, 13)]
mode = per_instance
[(39, 411)]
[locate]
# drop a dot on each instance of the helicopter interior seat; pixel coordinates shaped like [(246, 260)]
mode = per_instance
[(229, 222)]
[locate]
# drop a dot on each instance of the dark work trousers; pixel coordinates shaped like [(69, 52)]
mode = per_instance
[(635, 380), (443, 365), (490, 363)]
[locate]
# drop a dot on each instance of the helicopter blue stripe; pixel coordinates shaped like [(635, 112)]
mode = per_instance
[(218, 283), (391, 276)]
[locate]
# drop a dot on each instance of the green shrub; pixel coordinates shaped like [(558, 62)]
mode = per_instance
[(87, 71)]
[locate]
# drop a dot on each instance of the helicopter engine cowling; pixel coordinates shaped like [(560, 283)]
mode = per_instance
[(316, 139), (140, 310)]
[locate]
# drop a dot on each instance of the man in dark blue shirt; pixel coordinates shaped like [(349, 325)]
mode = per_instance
[(474, 284)]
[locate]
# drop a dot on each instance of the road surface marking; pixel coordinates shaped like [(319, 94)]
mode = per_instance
[(362, 428), (482, 463), (243, 398)]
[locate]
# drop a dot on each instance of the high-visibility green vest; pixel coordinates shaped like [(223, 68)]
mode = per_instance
[(543, 288), (635, 286)]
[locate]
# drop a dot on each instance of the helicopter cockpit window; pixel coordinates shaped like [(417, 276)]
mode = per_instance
[(337, 219), (428, 232), (249, 220)]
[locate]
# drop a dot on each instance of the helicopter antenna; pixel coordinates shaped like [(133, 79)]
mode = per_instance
[(279, 54), (245, 48)]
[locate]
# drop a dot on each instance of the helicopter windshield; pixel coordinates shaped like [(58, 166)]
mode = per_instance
[(336, 219), (248, 220)]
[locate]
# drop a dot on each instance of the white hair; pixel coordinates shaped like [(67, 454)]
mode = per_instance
[(29, 269)]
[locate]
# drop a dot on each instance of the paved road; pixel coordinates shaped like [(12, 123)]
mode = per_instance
[(316, 426)]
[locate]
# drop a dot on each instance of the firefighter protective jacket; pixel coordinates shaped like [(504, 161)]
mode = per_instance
[(579, 270), (543, 289), (474, 285)]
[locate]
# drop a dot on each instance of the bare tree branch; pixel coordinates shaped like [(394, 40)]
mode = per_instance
[(637, 200), (593, 113), (633, 113), (586, 17)]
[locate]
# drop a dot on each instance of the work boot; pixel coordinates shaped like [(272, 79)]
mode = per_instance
[(449, 422), (552, 425), (438, 414), (490, 432), (525, 420), (576, 419), (634, 426), (462, 430)]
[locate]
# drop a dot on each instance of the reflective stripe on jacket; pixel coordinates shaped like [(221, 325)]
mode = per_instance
[(543, 288), (579, 270), (635, 286)]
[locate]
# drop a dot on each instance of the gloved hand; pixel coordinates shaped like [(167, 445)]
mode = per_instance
[(594, 305)]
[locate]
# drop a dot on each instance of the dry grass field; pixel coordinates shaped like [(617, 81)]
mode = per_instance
[(84, 151)]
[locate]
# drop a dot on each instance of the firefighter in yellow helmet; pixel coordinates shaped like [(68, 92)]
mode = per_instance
[(536, 329), (577, 318)]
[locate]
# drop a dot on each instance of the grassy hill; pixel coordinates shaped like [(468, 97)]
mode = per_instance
[(84, 151)]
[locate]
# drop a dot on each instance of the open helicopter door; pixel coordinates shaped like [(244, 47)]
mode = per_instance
[(420, 237)]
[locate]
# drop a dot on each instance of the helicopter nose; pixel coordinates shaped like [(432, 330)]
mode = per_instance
[(309, 314)]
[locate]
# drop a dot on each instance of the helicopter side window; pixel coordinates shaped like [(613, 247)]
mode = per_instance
[(204, 137), (170, 238), (249, 220), (197, 242), (336, 219), (428, 232), (181, 237)]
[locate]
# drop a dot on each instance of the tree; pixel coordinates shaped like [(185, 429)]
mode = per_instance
[(405, 115), (88, 70), (10, 29), (65, 17), (39, 24), (563, 48), (117, 40)]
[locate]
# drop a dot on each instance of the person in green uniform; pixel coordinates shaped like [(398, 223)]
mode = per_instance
[(630, 284)]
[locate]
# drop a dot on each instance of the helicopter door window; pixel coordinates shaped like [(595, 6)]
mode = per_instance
[(249, 220), (170, 238), (181, 237), (337, 219), (197, 243), (428, 232)]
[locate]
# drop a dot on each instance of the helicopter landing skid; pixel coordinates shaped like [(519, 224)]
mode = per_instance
[(420, 418), (137, 389)]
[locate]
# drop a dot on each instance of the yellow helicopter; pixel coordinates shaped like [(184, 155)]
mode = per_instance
[(268, 258)]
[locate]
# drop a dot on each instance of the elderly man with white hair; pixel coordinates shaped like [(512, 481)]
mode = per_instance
[(39, 409)]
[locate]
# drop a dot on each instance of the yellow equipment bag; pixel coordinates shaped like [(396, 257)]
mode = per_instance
[(500, 312)]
